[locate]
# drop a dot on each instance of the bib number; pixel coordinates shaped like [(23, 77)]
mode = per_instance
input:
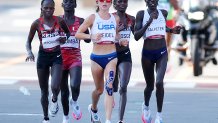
[(125, 34), (72, 42), (50, 42)]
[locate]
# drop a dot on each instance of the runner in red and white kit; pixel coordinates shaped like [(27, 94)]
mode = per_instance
[(49, 56), (72, 62)]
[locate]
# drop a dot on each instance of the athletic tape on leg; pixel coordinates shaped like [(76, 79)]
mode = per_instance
[(110, 80)]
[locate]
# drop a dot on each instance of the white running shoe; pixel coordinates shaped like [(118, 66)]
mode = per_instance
[(120, 121), (107, 121), (66, 119), (77, 114), (45, 121), (158, 120), (53, 110), (146, 115), (94, 116)]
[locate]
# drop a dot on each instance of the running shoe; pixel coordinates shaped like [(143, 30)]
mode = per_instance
[(158, 120), (66, 120), (146, 115), (77, 114), (45, 121), (53, 110), (107, 121), (94, 116), (120, 121)]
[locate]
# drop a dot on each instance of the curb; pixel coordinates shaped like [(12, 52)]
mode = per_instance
[(185, 85), (89, 82)]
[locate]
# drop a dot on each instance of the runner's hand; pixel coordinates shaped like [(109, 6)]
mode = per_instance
[(176, 30), (96, 37), (62, 39), (123, 42), (30, 57)]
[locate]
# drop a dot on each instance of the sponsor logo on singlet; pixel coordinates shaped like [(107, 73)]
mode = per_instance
[(106, 26), (49, 35), (156, 29), (49, 40)]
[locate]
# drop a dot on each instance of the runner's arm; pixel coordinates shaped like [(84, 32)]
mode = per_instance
[(86, 32), (139, 29), (80, 34), (31, 35)]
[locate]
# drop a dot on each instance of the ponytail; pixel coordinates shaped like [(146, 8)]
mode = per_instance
[(97, 10)]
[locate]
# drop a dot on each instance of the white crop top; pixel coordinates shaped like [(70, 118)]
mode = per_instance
[(157, 27), (106, 27)]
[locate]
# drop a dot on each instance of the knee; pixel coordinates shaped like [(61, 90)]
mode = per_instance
[(44, 96), (55, 88), (150, 88), (64, 94), (159, 85), (44, 93), (99, 91), (75, 88), (123, 90)]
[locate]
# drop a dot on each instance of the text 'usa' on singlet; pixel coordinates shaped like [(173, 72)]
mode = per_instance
[(157, 27), (48, 35), (106, 27)]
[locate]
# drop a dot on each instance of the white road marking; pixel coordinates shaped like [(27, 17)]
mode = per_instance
[(19, 114), (168, 102), (7, 82), (180, 85), (24, 90)]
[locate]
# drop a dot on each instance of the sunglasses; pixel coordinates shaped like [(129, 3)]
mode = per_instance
[(107, 1)]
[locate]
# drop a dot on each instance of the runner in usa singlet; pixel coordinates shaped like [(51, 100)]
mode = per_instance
[(106, 27)]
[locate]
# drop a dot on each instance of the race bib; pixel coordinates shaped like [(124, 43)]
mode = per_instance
[(125, 34), (49, 40), (72, 42)]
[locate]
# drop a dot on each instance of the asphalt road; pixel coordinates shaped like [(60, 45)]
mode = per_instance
[(180, 105)]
